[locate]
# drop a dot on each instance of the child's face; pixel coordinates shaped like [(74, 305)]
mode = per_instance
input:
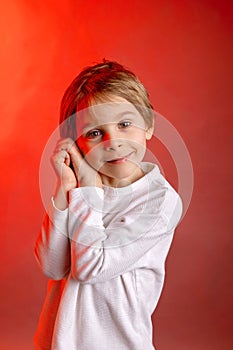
[(113, 140)]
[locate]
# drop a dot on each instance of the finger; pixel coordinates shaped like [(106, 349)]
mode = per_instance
[(60, 157), (71, 147), (75, 156), (72, 150), (67, 159), (67, 144)]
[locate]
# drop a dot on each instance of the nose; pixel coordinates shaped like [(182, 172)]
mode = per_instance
[(111, 142)]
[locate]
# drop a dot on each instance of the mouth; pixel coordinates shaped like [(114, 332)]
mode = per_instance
[(119, 160)]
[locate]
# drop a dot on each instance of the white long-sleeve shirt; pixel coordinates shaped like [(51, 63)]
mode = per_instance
[(105, 258)]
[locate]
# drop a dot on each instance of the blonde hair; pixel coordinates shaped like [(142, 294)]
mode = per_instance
[(96, 84)]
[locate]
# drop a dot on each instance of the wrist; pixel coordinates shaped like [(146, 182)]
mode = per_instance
[(65, 186), (61, 195)]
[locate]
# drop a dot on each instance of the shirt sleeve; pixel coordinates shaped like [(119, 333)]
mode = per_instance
[(52, 248), (98, 253)]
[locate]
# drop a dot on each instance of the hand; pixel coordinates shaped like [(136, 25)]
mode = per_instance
[(61, 162), (66, 153)]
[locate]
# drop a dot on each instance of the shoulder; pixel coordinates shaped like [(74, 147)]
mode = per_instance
[(161, 191)]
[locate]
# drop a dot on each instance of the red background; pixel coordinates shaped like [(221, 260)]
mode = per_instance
[(182, 51)]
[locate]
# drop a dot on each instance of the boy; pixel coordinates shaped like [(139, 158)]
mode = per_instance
[(105, 239)]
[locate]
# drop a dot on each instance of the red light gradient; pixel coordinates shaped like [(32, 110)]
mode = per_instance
[(183, 53)]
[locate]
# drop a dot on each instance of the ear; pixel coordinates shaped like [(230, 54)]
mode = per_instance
[(149, 132)]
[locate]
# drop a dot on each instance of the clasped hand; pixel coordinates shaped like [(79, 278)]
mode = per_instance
[(80, 173)]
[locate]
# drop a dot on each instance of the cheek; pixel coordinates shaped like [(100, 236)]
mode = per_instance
[(140, 140), (83, 146), (92, 153)]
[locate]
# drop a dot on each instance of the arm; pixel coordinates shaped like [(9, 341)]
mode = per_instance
[(98, 253), (52, 248)]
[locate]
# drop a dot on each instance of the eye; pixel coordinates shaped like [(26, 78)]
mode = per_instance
[(124, 124), (93, 134)]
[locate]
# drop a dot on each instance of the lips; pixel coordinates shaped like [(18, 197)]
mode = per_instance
[(120, 159)]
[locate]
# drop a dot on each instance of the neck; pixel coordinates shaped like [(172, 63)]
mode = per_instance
[(117, 183)]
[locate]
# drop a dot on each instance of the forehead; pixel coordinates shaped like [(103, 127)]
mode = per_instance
[(106, 113)]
